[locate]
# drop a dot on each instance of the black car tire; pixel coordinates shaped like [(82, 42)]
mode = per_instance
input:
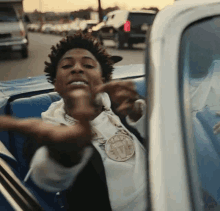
[(118, 41), (24, 53)]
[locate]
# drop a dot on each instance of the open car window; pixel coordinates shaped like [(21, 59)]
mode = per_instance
[(200, 87)]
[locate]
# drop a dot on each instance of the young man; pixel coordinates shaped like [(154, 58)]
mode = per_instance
[(95, 162)]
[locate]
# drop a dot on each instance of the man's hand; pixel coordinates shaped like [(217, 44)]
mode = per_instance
[(61, 140), (123, 96)]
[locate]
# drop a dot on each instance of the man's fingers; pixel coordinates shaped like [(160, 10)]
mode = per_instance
[(20, 125), (83, 109), (8, 123), (123, 95), (116, 85), (125, 108), (31, 127), (76, 136)]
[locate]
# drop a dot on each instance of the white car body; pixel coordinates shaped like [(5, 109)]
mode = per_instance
[(169, 185), (46, 28), (13, 36)]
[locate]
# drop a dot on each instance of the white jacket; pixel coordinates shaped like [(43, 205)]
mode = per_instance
[(126, 181)]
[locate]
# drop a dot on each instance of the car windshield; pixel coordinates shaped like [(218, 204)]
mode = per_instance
[(7, 14), (200, 65), (141, 18)]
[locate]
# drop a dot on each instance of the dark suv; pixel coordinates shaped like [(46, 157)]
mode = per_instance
[(123, 26)]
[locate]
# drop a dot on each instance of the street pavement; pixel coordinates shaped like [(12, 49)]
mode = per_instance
[(13, 66)]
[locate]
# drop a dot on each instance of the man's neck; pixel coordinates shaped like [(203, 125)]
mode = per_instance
[(70, 111)]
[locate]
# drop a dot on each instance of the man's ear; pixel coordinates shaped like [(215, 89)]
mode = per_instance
[(54, 83)]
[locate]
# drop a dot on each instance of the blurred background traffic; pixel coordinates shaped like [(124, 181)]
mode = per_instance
[(29, 28)]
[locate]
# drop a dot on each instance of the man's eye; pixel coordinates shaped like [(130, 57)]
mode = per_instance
[(88, 66), (66, 66)]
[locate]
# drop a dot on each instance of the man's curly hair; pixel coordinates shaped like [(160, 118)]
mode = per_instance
[(79, 40)]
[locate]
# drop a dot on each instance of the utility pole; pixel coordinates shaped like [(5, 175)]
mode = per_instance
[(100, 11), (41, 14)]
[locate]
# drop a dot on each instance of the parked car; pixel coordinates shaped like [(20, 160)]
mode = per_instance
[(65, 29), (86, 25), (33, 27), (53, 29), (12, 31), (26, 20), (182, 73), (46, 28), (125, 27), (73, 28), (57, 29)]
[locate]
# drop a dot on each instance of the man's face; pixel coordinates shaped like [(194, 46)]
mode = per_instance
[(77, 69)]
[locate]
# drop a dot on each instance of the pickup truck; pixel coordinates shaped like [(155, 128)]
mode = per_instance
[(13, 30)]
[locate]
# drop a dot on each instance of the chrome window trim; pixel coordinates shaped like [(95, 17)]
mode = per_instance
[(14, 191)]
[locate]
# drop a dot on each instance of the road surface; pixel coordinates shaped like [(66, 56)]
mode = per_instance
[(13, 66)]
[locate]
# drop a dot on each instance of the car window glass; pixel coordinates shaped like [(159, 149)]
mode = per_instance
[(141, 18), (200, 66), (7, 14)]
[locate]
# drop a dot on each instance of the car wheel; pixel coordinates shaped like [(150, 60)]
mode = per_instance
[(118, 42), (24, 53)]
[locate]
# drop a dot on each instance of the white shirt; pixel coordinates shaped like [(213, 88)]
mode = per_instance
[(126, 180)]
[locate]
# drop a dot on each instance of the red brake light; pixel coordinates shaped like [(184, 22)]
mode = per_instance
[(127, 26)]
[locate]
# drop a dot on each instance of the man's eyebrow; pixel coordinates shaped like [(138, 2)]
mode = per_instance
[(87, 57), (66, 58)]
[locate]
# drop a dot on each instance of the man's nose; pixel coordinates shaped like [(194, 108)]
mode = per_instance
[(77, 69)]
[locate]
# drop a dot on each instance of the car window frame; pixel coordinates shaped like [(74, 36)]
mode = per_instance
[(148, 112), (187, 121), (167, 39), (187, 128)]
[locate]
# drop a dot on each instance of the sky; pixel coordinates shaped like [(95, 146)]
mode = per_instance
[(72, 5)]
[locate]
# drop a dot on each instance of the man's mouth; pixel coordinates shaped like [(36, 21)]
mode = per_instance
[(79, 83)]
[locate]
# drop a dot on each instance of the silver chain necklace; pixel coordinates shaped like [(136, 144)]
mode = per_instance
[(120, 147)]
